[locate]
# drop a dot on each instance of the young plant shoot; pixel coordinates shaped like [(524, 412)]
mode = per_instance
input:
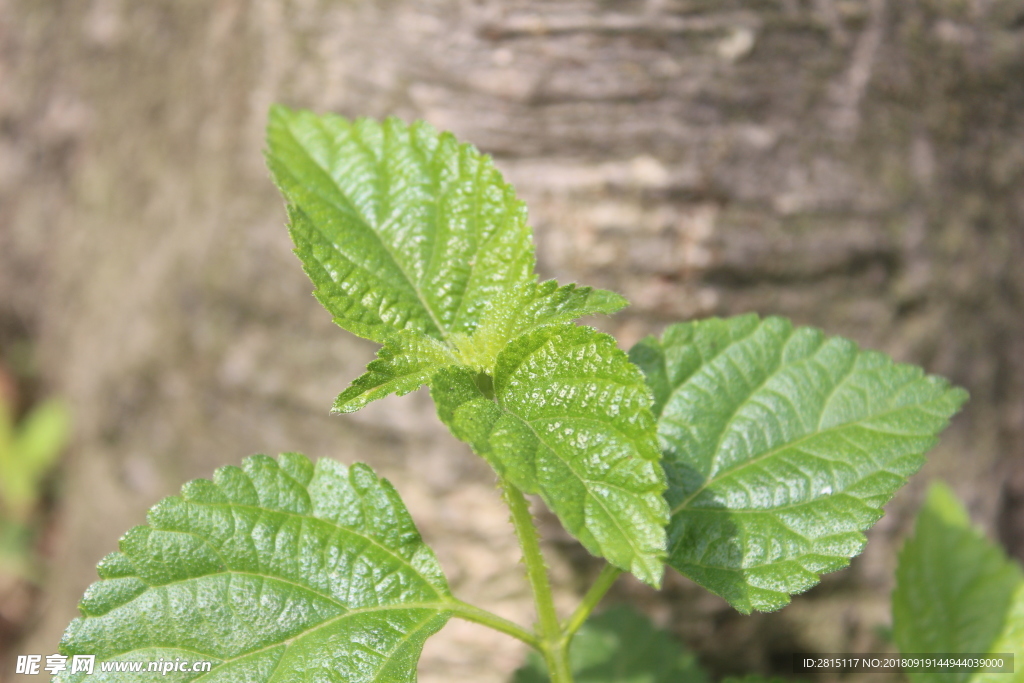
[(747, 454)]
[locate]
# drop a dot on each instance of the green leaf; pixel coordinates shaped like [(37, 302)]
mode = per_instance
[(275, 571), (549, 304), (781, 446), (16, 551), (956, 592), (404, 364), (28, 451), (411, 237), (569, 420), (621, 646), (524, 308), (398, 226)]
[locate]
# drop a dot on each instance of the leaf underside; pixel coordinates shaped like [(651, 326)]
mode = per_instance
[(621, 645), (276, 571), (781, 446), (569, 421), (956, 592)]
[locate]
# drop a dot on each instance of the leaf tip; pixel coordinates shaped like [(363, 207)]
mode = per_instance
[(347, 402), (942, 503), (279, 112)]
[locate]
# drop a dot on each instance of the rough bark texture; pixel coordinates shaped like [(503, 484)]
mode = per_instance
[(856, 165)]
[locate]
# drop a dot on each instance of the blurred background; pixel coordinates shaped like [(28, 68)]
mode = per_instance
[(857, 165)]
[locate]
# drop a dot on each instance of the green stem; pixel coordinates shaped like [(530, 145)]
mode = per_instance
[(604, 581), (557, 659), (469, 612), (553, 643)]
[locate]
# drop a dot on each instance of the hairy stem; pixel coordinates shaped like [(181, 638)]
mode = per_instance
[(604, 581), (554, 644)]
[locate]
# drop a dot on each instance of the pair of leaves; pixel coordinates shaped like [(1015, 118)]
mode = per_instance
[(403, 229), (278, 570), (956, 592), (415, 241)]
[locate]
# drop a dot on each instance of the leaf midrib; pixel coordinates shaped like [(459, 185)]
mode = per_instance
[(361, 220), (477, 190), (637, 551), (771, 372), (704, 361), (439, 606), (296, 515), (774, 451)]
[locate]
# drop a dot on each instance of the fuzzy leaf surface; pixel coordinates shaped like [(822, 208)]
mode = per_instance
[(781, 446), (567, 417), (526, 307), (405, 363), (956, 592), (621, 645), (398, 226), (275, 571)]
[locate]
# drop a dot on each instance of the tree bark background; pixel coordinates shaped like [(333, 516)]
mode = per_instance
[(857, 165)]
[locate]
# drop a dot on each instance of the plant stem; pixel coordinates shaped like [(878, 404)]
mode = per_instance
[(469, 612), (557, 659), (604, 581), (554, 644)]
